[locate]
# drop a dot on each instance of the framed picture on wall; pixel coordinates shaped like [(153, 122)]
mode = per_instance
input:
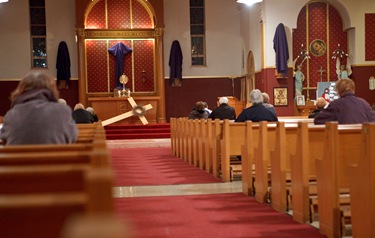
[(280, 96), (300, 100)]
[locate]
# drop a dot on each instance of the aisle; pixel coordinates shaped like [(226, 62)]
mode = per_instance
[(193, 210)]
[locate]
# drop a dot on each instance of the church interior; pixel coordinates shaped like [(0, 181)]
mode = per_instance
[(165, 55)]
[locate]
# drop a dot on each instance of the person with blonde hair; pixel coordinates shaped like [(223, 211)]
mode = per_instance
[(35, 116), (348, 109), (320, 105)]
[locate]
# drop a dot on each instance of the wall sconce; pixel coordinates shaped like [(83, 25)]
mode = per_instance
[(249, 2)]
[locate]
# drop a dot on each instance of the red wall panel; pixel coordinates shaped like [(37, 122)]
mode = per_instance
[(119, 17), (96, 53), (96, 17), (370, 36), (144, 66)]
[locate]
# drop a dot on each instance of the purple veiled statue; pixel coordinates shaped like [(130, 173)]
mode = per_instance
[(280, 45)]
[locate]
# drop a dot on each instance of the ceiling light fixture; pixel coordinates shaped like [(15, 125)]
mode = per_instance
[(249, 2), (1, 1)]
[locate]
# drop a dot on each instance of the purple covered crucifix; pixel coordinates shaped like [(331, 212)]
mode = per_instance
[(119, 50)]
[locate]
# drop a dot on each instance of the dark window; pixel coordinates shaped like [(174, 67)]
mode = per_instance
[(197, 32), (38, 34)]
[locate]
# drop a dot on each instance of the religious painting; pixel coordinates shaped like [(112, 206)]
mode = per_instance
[(300, 100), (318, 47), (280, 96)]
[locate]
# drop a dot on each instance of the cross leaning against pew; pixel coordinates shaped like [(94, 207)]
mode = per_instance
[(136, 111)]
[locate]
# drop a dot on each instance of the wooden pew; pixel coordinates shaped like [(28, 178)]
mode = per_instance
[(262, 160), (362, 186), (261, 146), (247, 158), (310, 141), (214, 152), (233, 137), (342, 144), (198, 143), (99, 158), (36, 201), (285, 146), (174, 138), (182, 140), (42, 185)]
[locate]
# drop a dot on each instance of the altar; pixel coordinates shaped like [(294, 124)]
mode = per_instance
[(108, 107)]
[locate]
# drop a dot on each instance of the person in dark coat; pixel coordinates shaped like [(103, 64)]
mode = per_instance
[(348, 109), (93, 113), (224, 111), (35, 116), (81, 116), (198, 111), (257, 112), (320, 104)]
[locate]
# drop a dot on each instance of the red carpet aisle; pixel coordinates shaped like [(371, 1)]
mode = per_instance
[(206, 216), (229, 215), (154, 166)]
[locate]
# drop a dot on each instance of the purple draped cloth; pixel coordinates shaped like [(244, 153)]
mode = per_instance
[(175, 62), (119, 51), (280, 45), (63, 63)]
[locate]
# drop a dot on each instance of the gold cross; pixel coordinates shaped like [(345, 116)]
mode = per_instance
[(136, 111)]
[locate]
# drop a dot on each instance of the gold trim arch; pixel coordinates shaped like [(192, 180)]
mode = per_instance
[(156, 10)]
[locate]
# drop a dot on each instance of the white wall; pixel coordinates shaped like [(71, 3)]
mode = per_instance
[(15, 60), (223, 41)]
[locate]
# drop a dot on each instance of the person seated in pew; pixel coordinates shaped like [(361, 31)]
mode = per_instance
[(93, 113), (35, 116), (257, 112), (206, 108), (266, 102), (80, 115), (348, 109), (198, 111), (320, 105), (224, 111)]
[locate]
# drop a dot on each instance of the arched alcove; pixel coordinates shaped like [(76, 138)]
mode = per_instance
[(319, 22), (128, 24)]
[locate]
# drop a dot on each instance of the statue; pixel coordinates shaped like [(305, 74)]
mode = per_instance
[(299, 77)]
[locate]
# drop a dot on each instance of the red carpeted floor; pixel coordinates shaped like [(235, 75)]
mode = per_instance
[(206, 216), (154, 166), (192, 216)]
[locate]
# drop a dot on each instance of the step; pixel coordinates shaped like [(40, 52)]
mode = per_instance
[(138, 136), (136, 131)]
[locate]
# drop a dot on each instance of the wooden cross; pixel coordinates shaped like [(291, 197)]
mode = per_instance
[(136, 111), (321, 72)]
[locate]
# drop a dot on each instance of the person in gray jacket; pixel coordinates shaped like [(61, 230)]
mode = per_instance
[(35, 116)]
